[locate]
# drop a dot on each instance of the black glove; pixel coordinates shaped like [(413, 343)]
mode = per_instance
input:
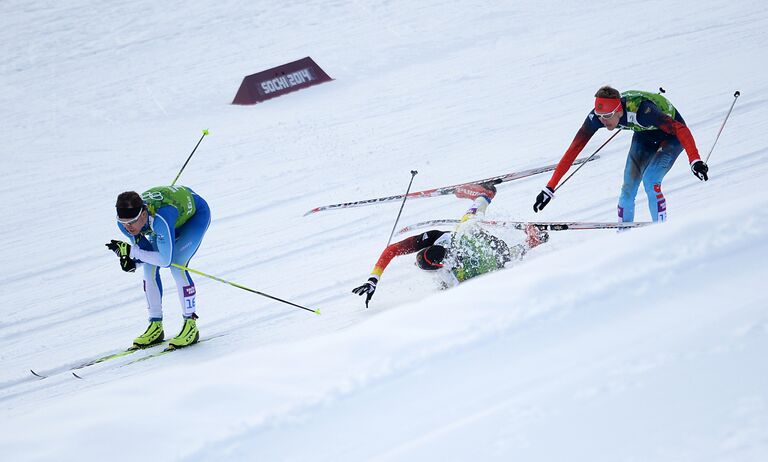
[(700, 169), (367, 289), (543, 199), (123, 251)]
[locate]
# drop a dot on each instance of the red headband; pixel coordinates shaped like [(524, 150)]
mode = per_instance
[(607, 105)]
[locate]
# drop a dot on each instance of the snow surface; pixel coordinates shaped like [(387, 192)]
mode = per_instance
[(601, 346)]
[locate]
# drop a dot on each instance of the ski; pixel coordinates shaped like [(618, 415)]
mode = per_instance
[(94, 361), (162, 352), (445, 190), (543, 225), (154, 354), (170, 349), (119, 354)]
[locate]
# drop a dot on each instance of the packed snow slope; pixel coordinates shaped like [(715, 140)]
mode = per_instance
[(600, 346)]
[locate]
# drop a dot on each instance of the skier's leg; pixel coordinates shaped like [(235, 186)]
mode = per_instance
[(186, 289), (659, 166), (153, 290), (188, 241), (153, 286), (534, 237), (477, 209), (637, 160)]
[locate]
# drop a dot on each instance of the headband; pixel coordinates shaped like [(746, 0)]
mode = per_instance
[(128, 212), (607, 105)]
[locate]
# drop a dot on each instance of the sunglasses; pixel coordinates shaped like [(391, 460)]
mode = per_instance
[(130, 221), (608, 115)]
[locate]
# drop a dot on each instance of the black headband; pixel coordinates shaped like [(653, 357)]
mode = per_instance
[(128, 212)]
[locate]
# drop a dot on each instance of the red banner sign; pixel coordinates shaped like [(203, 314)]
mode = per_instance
[(279, 81)]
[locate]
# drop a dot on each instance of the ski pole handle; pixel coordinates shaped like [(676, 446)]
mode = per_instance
[(735, 97)]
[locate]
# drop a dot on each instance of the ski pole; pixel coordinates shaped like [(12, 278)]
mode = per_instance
[(205, 132), (588, 158), (735, 97), (182, 267), (413, 174)]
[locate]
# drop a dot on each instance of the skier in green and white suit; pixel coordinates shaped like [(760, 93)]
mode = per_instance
[(462, 254), (166, 225)]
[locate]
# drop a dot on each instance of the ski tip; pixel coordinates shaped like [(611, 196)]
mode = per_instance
[(737, 94), (310, 212), (205, 131), (77, 376), (36, 374), (317, 311)]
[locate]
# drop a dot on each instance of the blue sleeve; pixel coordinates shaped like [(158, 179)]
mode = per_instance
[(164, 227)]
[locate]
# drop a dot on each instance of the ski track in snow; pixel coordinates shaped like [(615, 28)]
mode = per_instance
[(644, 345)]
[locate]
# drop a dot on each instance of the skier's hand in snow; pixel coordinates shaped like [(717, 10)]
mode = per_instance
[(123, 251), (367, 289), (700, 169), (543, 199)]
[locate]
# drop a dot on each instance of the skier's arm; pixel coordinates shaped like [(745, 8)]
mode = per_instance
[(406, 246), (164, 227), (650, 115), (585, 133)]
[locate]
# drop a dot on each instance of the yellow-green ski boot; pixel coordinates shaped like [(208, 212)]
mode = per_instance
[(189, 335), (152, 336)]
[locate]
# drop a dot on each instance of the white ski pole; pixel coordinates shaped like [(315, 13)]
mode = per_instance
[(735, 97)]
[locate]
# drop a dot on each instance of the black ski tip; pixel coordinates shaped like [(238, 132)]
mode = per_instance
[(36, 374), (737, 94), (77, 376)]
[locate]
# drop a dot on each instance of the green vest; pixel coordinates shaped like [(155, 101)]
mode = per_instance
[(473, 255), (175, 196), (633, 98)]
